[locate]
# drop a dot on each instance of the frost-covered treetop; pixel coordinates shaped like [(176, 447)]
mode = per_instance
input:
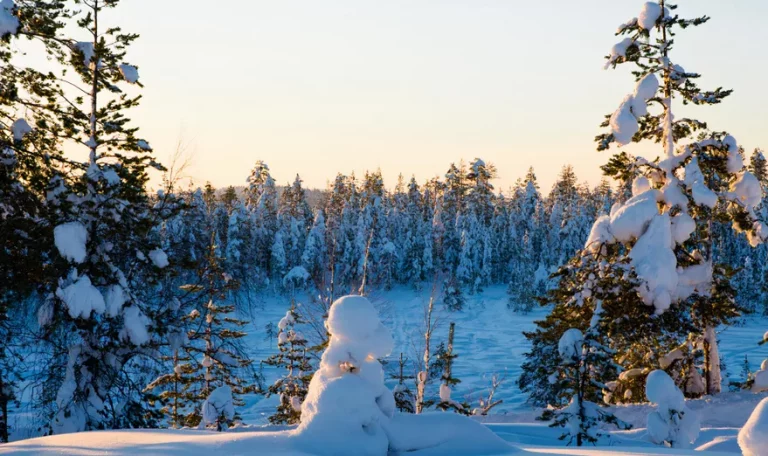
[(692, 181)]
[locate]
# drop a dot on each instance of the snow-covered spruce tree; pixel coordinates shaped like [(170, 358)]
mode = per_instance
[(633, 339), (448, 381), (100, 211), (261, 199), (212, 356), (672, 423), (405, 400), (347, 405), (291, 388), (583, 360), (666, 226)]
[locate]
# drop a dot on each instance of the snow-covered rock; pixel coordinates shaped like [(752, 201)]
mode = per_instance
[(753, 437), (70, 239)]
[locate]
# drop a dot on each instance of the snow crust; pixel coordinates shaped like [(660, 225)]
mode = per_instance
[(753, 437), (70, 239)]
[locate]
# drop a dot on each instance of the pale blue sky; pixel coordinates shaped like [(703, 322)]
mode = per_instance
[(320, 86)]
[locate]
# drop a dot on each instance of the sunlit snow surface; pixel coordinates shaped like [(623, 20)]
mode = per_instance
[(488, 340)]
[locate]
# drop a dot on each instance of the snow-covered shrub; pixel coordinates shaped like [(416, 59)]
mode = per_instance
[(347, 404), (760, 383), (219, 409), (753, 437), (672, 423)]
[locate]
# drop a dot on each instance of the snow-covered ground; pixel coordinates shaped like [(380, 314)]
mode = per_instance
[(488, 341)]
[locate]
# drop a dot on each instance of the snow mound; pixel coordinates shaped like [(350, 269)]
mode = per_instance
[(70, 239), (753, 437)]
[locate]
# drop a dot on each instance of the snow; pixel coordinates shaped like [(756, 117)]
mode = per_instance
[(735, 160), (347, 403), (600, 233), (619, 50), (8, 22), (647, 87), (20, 128), (761, 378), (135, 326), (81, 298), (694, 180), (218, 405), (753, 437), (630, 220), (747, 190), (159, 258), (297, 274), (672, 423), (655, 264), (70, 239), (623, 122), (570, 345), (641, 184), (143, 145), (649, 15), (683, 226), (130, 73), (86, 48), (115, 299)]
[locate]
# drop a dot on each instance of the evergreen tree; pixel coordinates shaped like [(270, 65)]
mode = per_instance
[(292, 356)]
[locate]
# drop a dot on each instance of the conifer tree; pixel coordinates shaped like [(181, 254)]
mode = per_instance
[(291, 388)]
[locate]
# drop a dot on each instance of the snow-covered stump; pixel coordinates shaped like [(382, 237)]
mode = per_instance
[(347, 405), (672, 423), (753, 437)]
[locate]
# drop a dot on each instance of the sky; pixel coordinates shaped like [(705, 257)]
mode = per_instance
[(408, 86)]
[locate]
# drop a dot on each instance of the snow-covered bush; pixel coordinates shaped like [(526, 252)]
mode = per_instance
[(753, 437), (347, 405), (672, 423), (219, 409), (760, 383)]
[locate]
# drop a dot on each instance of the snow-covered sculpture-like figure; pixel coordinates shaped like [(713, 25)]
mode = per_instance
[(672, 423), (347, 406)]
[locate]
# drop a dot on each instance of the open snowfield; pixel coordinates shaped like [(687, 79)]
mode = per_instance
[(488, 340)]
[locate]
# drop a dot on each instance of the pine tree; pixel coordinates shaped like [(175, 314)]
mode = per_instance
[(292, 356), (447, 380), (675, 242)]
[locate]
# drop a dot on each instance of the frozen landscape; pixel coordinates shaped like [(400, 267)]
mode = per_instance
[(143, 315)]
